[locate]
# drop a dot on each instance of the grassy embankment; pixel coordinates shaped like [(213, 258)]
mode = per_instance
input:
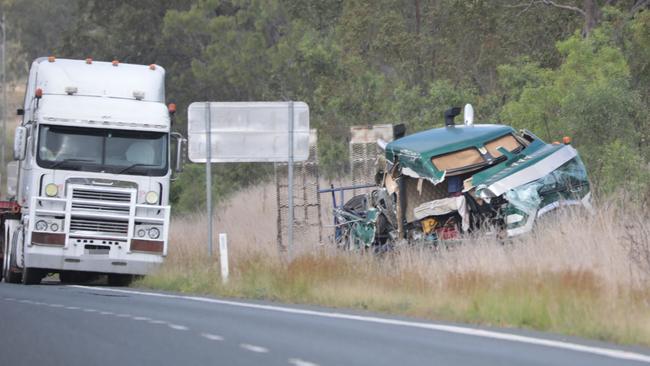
[(584, 276)]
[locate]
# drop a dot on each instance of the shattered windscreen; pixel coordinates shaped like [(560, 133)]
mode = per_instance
[(568, 178)]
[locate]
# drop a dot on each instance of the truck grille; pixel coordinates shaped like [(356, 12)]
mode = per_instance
[(88, 202), (112, 196), (81, 200), (99, 226), (99, 207)]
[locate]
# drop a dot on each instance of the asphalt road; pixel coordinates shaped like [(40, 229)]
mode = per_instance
[(67, 325)]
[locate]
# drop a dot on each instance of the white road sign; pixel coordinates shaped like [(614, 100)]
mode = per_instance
[(247, 131)]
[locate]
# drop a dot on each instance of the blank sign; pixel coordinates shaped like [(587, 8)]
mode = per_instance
[(247, 131)]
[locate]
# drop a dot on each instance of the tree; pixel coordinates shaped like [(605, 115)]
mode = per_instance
[(591, 11), (589, 97)]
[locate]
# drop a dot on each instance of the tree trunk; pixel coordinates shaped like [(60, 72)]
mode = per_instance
[(592, 16), (417, 16)]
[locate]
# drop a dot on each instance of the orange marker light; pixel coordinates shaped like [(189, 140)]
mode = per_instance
[(89, 60), (38, 93), (566, 140), (115, 62), (152, 67), (51, 59), (172, 108)]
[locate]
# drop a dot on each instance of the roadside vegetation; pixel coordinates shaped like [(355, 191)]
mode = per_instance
[(579, 69), (578, 274)]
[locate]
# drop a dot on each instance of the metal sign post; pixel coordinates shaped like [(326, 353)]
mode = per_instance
[(290, 183), (208, 175), (248, 132)]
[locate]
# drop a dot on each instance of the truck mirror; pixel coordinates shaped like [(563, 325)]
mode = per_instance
[(179, 151), (20, 142)]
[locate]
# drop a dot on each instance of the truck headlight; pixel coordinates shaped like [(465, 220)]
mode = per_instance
[(141, 233), (54, 226), (151, 197), (154, 233), (51, 190), (41, 225)]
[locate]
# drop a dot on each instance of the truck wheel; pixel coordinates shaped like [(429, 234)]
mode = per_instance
[(119, 280), (9, 275), (12, 277), (67, 277), (32, 276)]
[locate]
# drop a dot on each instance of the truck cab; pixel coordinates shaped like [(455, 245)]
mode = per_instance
[(93, 172)]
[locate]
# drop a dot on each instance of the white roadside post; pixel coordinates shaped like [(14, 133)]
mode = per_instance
[(249, 132), (223, 257)]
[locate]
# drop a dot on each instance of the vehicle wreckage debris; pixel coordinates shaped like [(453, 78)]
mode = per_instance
[(441, 184)]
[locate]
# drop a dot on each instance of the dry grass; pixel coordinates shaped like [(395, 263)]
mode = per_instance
[(582, 275)]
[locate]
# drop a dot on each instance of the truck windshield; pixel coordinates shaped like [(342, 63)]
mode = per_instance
[(102, 150)]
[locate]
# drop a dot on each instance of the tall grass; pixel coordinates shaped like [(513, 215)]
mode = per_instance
[(577, 274)]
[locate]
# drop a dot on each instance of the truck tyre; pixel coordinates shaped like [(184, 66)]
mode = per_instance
[(13, 277), (67, 277), (9, 275), (32, 276), (119, 280)]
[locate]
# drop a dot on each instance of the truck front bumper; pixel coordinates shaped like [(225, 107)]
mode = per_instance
[(63, 259)]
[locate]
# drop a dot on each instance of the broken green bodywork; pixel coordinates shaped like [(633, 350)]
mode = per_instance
[(415, 151), (505, 192)]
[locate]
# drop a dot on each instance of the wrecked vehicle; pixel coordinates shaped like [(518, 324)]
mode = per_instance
[(441, 184)]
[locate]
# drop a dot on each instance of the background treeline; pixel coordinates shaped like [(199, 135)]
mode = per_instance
[(573, 67)]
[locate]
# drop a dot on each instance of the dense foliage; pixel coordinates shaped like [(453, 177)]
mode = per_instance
[(579, 69)]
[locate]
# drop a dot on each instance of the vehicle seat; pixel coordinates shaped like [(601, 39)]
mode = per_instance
[(140, 153)]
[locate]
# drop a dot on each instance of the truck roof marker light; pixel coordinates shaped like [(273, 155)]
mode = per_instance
[(51, 58), (38, 93), (89, 60), (171, 108), (115, 62), (152, 67), (566, 140), (138, 94)]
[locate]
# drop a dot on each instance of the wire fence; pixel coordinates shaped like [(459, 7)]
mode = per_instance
[(307, 214)]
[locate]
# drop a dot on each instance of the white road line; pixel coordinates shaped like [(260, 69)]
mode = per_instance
[(72, 307), (10, 299), (106, 313), (123, 315), (299, 362), (212, 337), (55, 305), (178, 327), (141, 318), (90, 310), (157, 322), (601, 351), (26, 301), (253, 348)]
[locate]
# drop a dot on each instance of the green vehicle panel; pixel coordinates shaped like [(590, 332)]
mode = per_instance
[(415, 151), (447, 181)]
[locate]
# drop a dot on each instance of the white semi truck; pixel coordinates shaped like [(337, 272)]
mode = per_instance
[(88, 192)]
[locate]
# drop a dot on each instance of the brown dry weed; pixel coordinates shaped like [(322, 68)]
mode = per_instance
[(577, 274)]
